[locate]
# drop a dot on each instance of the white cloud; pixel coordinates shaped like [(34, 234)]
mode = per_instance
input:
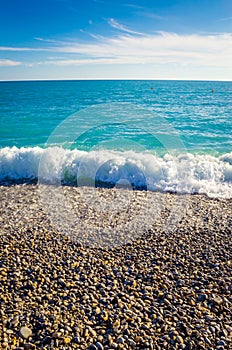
[(114, 24), (9, 48), (134, 6), (131, 47), (161, 47), (9, 63), (45, 40)]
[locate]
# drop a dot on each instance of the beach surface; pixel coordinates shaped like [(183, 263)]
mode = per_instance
[(165, 284)]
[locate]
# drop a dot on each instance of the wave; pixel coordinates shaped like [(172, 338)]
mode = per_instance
[(183, 173)]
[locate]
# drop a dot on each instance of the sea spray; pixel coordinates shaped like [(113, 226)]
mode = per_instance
[(181, 173)]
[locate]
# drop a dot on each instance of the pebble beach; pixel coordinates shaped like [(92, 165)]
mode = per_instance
[(164, 289)]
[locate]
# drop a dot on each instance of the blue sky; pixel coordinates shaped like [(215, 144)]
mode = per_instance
[(109, 39)]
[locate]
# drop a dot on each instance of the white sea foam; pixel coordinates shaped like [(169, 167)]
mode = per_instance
[(184, 173)]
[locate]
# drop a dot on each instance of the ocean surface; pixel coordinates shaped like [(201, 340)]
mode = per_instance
[(157, 135)]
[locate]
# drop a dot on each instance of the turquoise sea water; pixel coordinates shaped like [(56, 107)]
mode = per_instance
[(160, 135)]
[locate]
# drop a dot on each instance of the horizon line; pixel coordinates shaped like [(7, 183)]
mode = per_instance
[(109, 79)]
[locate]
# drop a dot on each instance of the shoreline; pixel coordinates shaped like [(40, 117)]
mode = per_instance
[(163, 289), (107, 186)]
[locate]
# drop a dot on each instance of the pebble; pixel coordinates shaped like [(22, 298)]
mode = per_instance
[(67, 340), (217, 300), (221, 343), (202, 297), (29, 346), (99, 346), (92, 347), (207, 341), (25, 332), (155, 292), (180, 339)]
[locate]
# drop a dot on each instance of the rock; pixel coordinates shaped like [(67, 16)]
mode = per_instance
[(207, 341), (29, 346), (179, 339), (221, 343), (67, 340), (92, 347), (25, 332), (121, 340), (209, 318), (217, 300), (15, 321), (202, 297), (92, 331), (132, 343), (99, 346), (47, 340)]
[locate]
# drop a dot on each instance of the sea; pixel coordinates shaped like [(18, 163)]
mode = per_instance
[(168, 136)]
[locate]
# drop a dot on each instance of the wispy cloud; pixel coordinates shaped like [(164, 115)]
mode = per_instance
[(9, 48), (114, 24), (79, 62), (45, 40), (137, 7), (131, 47), (9, 63), (161, 47)]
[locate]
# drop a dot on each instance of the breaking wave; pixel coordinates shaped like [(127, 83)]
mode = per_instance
[(183, 173)]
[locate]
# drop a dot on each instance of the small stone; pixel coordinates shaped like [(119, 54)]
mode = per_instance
[(105, 316), (98, 310), (92, 347), (55, 335), (207, 340), (15, 321), (212, 329), (202, 297), (25, 332), (209, 318), (221, 343), (92, 331), (67, 340), (218, 300), (29, 346), (179, 339), (120, 340), (76, 340), (229, 329), (99, 346), (132, 343), (138, 339)]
